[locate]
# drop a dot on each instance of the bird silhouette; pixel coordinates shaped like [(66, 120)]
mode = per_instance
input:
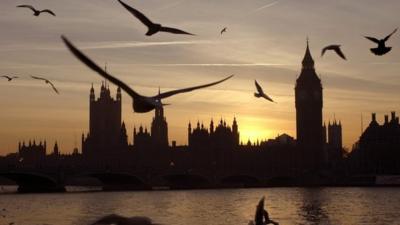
[(223, 30), (9, 78), (381, 49), (260, 93), (121, 220), (152, 27), (141, 104), (335, 48), (262, 217), (37, 12), (47, 82)]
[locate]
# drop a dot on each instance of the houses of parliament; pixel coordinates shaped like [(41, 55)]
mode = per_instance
[(217, 147)]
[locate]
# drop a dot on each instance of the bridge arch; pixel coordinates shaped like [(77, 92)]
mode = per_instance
[(118, 181), (186, 181), (281, 181), (34, 182), (240, 180)]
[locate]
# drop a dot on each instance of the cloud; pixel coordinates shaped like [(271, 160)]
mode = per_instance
[(266, 6)]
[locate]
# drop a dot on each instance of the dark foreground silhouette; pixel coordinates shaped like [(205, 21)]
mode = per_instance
[(153, 27), (120, 220), (262, 216), (141, 104)]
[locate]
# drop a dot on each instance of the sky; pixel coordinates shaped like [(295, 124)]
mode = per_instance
[(265, 40)]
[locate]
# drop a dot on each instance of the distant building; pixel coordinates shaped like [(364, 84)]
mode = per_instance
[(159, 128), (222, 135), (309, 102), (335, 135), (378, 149), (333, 145), (158, 138), (107, 136), (142, 138), (32, 153)]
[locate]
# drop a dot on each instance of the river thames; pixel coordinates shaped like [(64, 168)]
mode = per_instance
[(207, 207)]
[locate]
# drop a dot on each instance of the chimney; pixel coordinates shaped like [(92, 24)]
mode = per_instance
[(393, 116), (373, 117), (386, 119)]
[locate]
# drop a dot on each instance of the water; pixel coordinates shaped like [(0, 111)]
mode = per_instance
[(208, 207)]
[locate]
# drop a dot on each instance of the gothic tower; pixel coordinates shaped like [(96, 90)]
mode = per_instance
[(104, 135), (159, 128), (308, 94)]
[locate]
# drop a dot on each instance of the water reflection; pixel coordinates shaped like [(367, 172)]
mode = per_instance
[(312, 210), (353, 206)]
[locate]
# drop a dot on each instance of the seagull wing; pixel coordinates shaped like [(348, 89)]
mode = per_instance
[(259, 212), (174, 92), (340, 53), (88, 62), (27, 6), (259, 88), (54, 88), (48, 11), (372, 39), (39, 78), (267, 97), (5, 76), (324, 50), (146, 21), (266, 215), (387, 37), (223, 30), (174, 30)]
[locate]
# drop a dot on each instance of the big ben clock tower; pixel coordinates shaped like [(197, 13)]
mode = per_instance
[(308, 94)]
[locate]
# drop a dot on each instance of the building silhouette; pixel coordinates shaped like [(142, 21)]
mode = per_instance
[(378, 149), (31, 153), (107, 135), (309, 102), (159, 128), (333, 151), (335, 135)]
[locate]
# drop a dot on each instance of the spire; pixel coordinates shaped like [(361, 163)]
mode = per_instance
[(119, 96), (92, 96), (308, 61)]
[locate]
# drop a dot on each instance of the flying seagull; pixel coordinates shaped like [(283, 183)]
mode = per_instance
[(381, 49), (262, 216), (10, 78), (152, 27), (47, 82), (223, 30), (37, 12), (141, 104), (335, 48), (260, 92), (121, 220)]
